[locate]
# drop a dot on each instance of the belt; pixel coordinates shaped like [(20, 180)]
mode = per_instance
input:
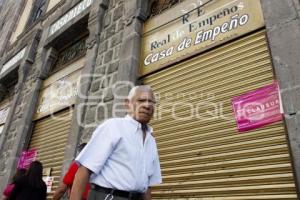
[(119, 193)]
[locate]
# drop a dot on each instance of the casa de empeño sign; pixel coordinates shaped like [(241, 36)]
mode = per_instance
[(195, 26)]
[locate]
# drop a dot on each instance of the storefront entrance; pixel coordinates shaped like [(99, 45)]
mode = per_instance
[(202, 154)]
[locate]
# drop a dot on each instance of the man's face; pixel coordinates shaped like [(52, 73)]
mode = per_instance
[(141, 106)]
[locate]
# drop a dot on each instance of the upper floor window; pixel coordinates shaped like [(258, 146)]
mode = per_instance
[(38, 9), (70, 53), (159, 6)]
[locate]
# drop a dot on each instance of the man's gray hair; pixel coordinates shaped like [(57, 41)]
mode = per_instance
[(136, 88)]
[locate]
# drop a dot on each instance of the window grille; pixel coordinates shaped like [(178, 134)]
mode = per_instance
[(159, 6)]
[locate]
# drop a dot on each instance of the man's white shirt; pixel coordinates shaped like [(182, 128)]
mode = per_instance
[(118, 157)]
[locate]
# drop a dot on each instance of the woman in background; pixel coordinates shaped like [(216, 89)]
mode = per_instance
[(31, 186), (8, 189)]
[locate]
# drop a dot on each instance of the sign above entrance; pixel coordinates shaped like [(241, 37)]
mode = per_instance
[(258, 108), (13, 60), (188, 33), (79, 8), (3, 114)]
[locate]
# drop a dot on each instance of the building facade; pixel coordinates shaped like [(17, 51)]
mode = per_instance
[(67, 65)]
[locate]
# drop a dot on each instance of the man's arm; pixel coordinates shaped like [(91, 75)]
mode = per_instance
[(147, 194), (60, 191), (81, 179)]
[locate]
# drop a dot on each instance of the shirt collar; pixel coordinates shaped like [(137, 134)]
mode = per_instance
[(138, 124)]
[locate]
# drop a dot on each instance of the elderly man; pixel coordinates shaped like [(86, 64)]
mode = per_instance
[(121, 159)]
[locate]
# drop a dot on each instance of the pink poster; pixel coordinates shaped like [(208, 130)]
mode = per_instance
[(257, 108), (27, 157)]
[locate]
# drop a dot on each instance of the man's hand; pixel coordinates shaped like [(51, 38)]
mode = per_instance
[(147, 194), (81, 179)]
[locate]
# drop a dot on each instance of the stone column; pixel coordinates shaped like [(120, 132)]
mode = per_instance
[(18, 123), (94, 26), (135, 15)]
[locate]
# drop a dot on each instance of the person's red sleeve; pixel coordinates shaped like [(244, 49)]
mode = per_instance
[(70, 175)]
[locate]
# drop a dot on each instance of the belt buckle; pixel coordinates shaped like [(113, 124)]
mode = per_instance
[(110, 195)]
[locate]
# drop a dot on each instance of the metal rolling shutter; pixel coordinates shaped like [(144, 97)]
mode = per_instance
[(50, 138), (208, 159)]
